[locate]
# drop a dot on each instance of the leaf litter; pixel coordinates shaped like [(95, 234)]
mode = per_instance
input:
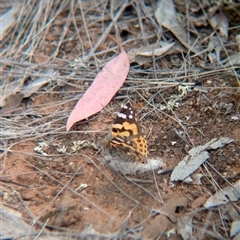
[(165, 15), (223, 196), (142, 54), (197, 156), (62, 31), (13, 92)]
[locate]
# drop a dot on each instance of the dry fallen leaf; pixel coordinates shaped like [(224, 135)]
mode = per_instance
[(216, 45), (34, 85), (8, 20), (149, 51), (184, 226), (12, 223), (166, 16), (8, 89), (12, 92), (235, 230), (219, 198), (231, 60), (12, 103), (196, 157), (102, 90), (220, 22)]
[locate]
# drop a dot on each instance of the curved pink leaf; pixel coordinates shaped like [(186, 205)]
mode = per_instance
[(102, 90)]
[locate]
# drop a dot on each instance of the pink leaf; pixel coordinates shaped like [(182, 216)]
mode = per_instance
[(102, 90)]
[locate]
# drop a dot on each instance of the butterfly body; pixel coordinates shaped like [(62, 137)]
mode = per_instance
[(126, 138)]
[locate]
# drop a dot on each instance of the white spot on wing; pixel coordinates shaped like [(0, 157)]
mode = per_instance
[(130, 116), (122, 115)]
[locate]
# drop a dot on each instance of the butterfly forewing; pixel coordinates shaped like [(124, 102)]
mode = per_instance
[(126, 134)]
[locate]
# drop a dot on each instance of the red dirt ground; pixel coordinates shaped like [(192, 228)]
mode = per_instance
[(72, 192)]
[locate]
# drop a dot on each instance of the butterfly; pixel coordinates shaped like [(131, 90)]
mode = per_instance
[(126, 139)]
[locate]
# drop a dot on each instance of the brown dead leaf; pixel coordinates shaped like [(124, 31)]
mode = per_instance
[(10, 88), (165, 15), (220, 22), (12, 103), (41, 58), (149, 51)]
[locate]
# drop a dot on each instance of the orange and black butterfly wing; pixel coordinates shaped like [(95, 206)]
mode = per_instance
[(126, 134)]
